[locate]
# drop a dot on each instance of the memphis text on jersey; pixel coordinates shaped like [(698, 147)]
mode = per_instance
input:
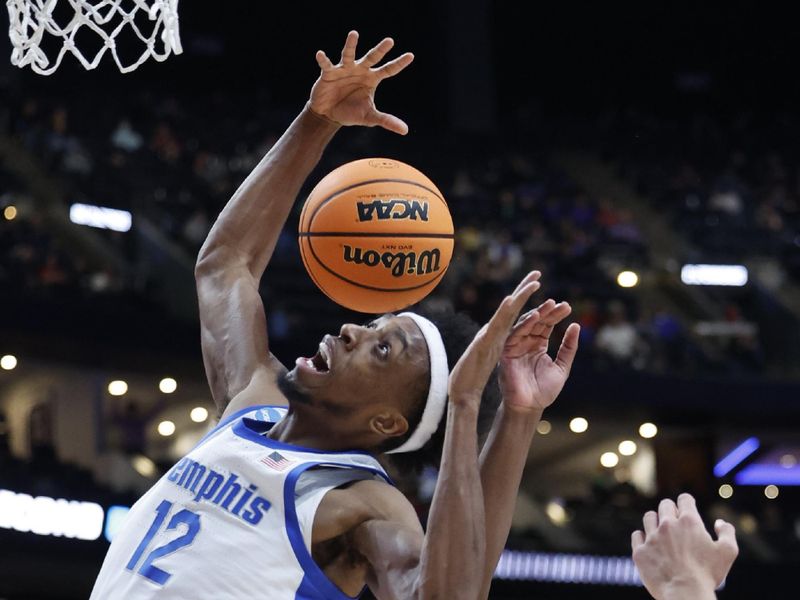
[(394, 208), (399, 262), (229, 493)]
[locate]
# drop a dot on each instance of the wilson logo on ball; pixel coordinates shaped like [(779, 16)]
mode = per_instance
[(395, 208), (399, 263)]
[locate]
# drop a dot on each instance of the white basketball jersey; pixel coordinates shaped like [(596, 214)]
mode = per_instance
[(232, 519)]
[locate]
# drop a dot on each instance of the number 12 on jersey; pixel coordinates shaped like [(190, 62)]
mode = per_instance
[(182, 517)]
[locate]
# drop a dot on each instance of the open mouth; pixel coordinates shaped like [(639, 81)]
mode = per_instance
[(321, 361)]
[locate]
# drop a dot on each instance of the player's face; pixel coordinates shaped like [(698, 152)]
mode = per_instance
[(378, 366)]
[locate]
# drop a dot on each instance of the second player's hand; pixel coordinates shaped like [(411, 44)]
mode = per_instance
[(345, 92), (472, 371), (529, 379)]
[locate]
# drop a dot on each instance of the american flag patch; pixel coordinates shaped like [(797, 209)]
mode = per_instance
[(276, 461)]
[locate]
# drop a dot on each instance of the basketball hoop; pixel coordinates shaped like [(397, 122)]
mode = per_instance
[(33, 21)]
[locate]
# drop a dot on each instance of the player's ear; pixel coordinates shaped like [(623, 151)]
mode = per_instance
[(389, 423)]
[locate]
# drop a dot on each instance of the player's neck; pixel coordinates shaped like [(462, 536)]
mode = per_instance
[(305, 428)]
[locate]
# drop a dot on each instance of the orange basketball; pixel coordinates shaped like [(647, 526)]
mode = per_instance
[(376, 235)]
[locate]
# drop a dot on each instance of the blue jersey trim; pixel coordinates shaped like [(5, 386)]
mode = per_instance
[(252, 430), (230, 418), (315, 576)]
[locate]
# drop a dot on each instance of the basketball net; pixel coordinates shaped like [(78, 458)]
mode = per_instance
[(31, 21)]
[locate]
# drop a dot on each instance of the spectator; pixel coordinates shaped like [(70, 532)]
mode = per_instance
[(617, 338)]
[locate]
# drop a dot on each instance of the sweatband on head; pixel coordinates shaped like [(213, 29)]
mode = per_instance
[(437, 393)]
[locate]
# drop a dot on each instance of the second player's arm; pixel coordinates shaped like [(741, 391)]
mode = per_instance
[(449, 562), (530, 381)]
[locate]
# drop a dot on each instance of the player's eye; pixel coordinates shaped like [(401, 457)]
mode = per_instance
[(383, 350)]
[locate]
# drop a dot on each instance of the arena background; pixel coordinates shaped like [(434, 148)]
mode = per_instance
[(583, 139)]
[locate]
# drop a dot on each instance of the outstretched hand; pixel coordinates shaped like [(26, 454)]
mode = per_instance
[(472, 371), (345, 92), (529, 379), (676, 556)]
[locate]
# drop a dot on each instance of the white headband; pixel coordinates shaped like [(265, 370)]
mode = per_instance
[(437, 393)]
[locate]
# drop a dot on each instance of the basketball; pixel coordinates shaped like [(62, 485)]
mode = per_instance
[(376, 235)]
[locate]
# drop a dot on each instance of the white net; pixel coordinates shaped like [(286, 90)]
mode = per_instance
[(32, 22)]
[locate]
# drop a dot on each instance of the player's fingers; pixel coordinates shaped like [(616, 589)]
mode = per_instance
[(637, 539), (569, 347), (393, 67), (389, 122), (349, 50), (686, 505), (510, 307), (560, 312), (667, 510), (550, 317), (532, 276), (726, 535), (650, 522), (546, 307), (323, 61), (374, 56), (522, 328)]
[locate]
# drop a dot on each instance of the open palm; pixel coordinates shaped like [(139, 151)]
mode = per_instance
[(345, 92), (529, 379)]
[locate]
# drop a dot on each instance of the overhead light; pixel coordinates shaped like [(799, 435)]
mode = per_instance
[(556, 513), (578, 425), (144, 466), (788, 461), (725, 491), (198, 414), (543, 427), (100, 217), (167, 385), (648, 430), (733, 458), (627, 448), (609, 459), (771, 491), (10, 213), (627, 279), (729, 275), (118, 387), (8, 362), (166, 428)]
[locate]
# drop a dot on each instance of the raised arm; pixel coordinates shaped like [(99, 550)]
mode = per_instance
[(530, 381), (233, 258), (449, 561)]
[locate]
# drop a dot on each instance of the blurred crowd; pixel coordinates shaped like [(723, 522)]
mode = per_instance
[(175, 162)]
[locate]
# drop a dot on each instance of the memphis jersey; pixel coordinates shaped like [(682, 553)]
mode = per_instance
[(232, 519)]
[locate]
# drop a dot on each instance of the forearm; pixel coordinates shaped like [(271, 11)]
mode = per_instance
[(454, 548), (249, 225), (501, 464)]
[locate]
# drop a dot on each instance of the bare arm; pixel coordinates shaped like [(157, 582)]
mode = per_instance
[(236, 252), (241, 242), (530, 381), (449, 563)]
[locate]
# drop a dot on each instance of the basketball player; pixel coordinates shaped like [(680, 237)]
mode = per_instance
[(675, 555), (285, 498)]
